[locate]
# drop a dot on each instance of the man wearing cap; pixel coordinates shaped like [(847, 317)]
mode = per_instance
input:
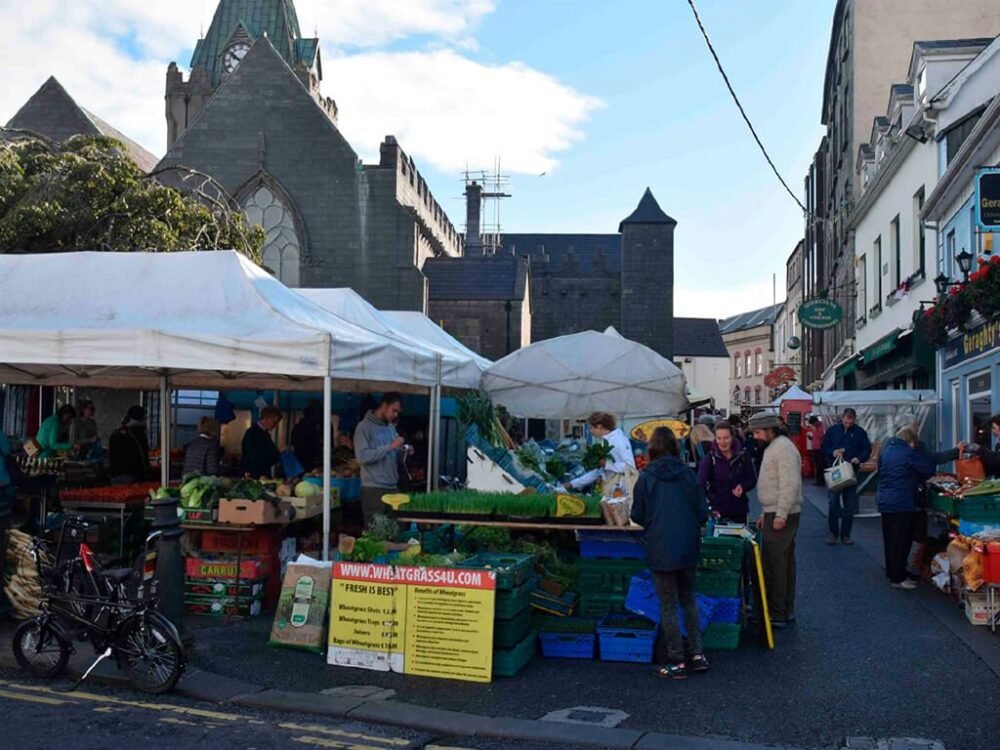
[(848, 441), (779, 490)]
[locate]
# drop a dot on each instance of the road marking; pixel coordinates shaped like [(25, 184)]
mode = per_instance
[(31, 698), (443, 747), (108, 709), (324, 742), (186, 723), (347, 735)]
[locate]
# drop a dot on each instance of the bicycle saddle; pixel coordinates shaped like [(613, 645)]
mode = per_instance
[(117, 575)]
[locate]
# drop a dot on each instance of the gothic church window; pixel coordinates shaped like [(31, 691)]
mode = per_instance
[(282, 251)]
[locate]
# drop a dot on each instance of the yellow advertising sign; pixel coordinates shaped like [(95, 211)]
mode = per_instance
[(435, 622), (642, 432)]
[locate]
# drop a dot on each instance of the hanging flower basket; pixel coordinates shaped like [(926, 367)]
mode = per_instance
[(984, 288), (933, 326), (954, 311)]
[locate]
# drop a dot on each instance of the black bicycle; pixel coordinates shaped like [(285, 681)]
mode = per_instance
[(116, 614)]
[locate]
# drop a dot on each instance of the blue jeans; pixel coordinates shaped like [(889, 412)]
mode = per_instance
[(843, 504)]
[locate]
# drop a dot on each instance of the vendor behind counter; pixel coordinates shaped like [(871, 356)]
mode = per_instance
[(54, 432)]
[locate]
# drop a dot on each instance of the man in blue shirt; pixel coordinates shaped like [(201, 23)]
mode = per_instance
[(848, 441)]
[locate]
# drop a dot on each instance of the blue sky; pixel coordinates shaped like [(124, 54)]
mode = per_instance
[(605, 98)]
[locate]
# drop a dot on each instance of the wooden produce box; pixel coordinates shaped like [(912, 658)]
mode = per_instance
[(307, 507), (251, 512)]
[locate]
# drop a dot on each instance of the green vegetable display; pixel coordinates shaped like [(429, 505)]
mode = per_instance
[(366, 549), (595, 453), (199, 492), (476, 409), (986, 487), (476, 539)]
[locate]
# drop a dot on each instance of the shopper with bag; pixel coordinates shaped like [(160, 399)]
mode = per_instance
[(727, 475), (844, 443), (779, 490), (670, 505)]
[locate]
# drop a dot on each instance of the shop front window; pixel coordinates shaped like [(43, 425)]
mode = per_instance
[(980, 397), (956, 413)]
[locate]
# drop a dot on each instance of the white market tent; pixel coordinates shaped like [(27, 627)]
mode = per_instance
[(186, 319), (792, 394), (574, 375), (460, 367)]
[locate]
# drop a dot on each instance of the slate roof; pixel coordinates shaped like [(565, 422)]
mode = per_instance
[(587, 250), (276, 18), (744, 321), (647, 212), (497, 278), (52, 113), (698, 337)]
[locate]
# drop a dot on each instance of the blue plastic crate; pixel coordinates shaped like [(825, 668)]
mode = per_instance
[(643, 600), (622, 640), (609, 546), (568, 645), (727, 610)]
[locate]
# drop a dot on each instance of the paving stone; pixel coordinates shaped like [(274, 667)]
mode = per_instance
[(361, 692), (305, 703)]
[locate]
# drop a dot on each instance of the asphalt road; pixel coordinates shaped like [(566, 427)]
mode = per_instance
[(863, 660), (37, 716)]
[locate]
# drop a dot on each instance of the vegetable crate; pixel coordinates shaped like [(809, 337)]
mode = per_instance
[(718, 583), (598, 605), (609, 546), (627, 638), (608, 576), (256, 542), (721, 636), (511, 603), (507, 662), (727, 610), (944, 504), (561, 606), (568, 638), (721, 553), (512, 570), (980, 509), (508, 633)]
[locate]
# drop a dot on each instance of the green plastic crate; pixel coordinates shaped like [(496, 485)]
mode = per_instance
[(508, 633), (507, 662), (944, 504), (510, 604), (511, 570), (607, 576), (721, 553), (723, 583), (981, 509), (721, 636), (599, 604)]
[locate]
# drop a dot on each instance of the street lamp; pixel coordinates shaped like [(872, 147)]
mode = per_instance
[(964, 260)]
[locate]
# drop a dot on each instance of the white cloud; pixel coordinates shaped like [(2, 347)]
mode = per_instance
[(445, 108), (452, 111), (703, 302)]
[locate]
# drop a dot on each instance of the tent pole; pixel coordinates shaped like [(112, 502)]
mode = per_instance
[(164, 431), (327, 439)]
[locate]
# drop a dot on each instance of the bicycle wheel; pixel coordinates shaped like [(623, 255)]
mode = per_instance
[(152, 656), (40, 649)]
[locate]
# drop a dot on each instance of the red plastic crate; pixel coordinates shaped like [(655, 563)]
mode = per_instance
[(991, 562), (257, 542), (224, 566)]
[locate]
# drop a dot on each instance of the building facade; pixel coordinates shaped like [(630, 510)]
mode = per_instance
[(701, 354), (787, 328), (870, 49), (251, 116), (749, 340)]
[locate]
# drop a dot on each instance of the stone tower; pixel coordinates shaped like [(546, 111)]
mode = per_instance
[(237, 24), (647, 276)]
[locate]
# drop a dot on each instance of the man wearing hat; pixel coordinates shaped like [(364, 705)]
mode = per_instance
[(779, 490)]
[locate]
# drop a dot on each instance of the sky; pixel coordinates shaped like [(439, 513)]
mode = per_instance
[(584, 103)]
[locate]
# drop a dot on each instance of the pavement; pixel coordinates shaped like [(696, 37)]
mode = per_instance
[(865, 666)]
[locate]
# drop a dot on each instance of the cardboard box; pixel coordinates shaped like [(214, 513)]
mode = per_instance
[(251, 512), (257, 542), (976, 610), (224, 567), (301, 614), (220, 589)]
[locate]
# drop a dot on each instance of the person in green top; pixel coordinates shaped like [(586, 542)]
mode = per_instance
[(53, 434)]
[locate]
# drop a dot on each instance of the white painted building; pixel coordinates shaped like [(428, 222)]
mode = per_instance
[(703, 358)]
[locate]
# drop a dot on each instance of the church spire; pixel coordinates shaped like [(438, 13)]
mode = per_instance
[(237, 24)]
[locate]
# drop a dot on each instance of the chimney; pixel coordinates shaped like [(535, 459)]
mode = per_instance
[(473, 209)]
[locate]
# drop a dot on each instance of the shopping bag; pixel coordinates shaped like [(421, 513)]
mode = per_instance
[(970, 468), (871, 464), (291, 465), (839, 476)]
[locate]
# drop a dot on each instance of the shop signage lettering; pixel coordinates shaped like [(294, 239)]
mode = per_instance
[(434, 622), (988, 199), (820, 313), (982, 339)]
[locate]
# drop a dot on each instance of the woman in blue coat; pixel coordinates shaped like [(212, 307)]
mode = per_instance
[(670, 505)]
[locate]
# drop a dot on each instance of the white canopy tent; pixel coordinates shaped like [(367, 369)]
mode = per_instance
[(574, 375), (189, 319), (792, 394)]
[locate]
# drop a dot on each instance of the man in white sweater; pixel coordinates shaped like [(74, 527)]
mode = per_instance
[(779, 489)]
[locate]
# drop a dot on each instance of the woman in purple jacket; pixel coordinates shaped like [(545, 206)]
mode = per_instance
[(727, 474)]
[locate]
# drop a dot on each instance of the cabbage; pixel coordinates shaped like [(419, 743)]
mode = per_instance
[(307, 489)]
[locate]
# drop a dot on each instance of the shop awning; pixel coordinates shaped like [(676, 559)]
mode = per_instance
[(848, 367), (884, 346)]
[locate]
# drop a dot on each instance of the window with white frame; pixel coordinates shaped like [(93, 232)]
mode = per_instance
[(760, 362), (897, 253), (738, 366), (949, 252), (878, 270), (919, 233), (862, 298), (980, 396)]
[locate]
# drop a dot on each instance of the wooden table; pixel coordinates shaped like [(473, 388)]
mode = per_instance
[(520, 524)]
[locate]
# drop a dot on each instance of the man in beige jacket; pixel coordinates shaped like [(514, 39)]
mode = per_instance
[(779, 490)]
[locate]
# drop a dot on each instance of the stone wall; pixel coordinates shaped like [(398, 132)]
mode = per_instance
[(647, 286)]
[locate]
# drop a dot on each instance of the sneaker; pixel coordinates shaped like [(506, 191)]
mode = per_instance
[(907, 584), (831, 538), (847, 540)]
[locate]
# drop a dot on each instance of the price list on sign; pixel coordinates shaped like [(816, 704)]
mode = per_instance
[(435, 622)]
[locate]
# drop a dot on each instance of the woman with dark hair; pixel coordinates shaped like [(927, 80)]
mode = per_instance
[(129, 448), (670, 505), (727, 475)]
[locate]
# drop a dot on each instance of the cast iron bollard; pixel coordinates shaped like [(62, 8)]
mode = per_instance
[(170, 564)]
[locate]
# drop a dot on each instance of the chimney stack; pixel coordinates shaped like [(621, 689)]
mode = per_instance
[(473, 210)]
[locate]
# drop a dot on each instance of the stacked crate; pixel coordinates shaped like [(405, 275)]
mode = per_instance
[(214, 585), (607, 564), (719, 577)]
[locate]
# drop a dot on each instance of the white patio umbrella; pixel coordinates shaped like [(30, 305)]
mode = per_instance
[(572, 376)]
